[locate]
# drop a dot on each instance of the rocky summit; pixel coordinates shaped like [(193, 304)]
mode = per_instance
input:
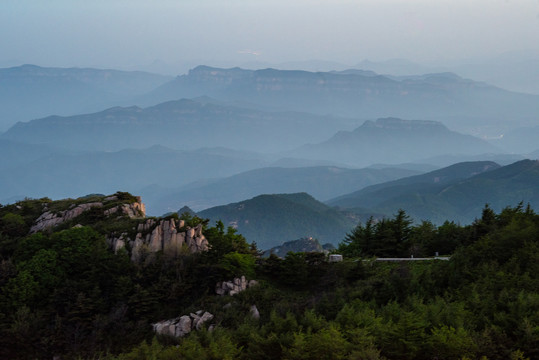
[(170, 235)]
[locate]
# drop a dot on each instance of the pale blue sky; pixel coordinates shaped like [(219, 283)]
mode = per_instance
[(127, 33)]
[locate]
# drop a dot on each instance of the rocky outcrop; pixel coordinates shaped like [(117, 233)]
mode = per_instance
[(234, 286), (183, 325), (133, 210), (169, 236), (49, 219)]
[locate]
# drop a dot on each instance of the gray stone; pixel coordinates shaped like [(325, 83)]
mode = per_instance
[(204, 318), (254, 312), (49, 220), (184, 326)]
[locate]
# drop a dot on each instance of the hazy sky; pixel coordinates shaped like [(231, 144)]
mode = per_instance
[(122, 34)]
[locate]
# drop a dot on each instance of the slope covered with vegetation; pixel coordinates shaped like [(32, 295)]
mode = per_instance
[(269, 220), (64, 293), (457, 199)]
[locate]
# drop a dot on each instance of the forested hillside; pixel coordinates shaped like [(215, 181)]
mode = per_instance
[(269, 220), (456, 193), (65, 292)]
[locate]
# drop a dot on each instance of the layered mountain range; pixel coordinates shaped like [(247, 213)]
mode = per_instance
[(456, 193), (444, 96), (180, 124), (219, 136), (322, 182)]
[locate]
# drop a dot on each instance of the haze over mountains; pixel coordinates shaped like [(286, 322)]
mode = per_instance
[(65, 174), (28, 92), (445, 97), (322, 182), (180, 124), (220, 136)]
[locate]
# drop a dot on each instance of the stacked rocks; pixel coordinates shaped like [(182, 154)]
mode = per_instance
[(183, 325)]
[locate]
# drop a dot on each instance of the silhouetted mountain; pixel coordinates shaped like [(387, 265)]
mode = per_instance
[(272, 219), (181, 124), (322, 182), (438, 199), (443, 96), (29, 92), (394, 141)]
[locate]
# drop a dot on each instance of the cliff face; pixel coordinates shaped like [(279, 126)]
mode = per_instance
[(170, 236)]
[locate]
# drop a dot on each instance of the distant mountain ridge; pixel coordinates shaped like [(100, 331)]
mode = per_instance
[(372, 195), (394, 140), (181, 124), (460, 200), (444, 96), (29, 91)]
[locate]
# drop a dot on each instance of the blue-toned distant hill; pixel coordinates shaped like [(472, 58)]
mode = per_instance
[(28, 92), (394, 141), (457, 193), (181, 124), (271, 220), (443, 97)]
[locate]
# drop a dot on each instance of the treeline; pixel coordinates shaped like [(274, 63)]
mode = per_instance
[(397, 237), (66, 294)]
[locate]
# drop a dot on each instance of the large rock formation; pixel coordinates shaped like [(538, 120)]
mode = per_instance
[(170, 236), (182, 325)]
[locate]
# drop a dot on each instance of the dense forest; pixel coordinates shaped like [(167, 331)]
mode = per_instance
[(64, 293)]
